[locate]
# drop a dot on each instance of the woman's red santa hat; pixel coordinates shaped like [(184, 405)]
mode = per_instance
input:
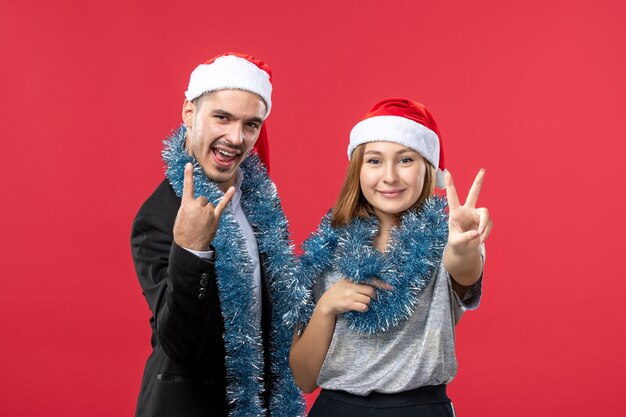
[(406, 122), (234, 71)]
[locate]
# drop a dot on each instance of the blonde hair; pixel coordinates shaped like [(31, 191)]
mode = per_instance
[(351, 202)]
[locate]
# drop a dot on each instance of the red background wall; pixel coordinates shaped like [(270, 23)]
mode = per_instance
[(532, 91)]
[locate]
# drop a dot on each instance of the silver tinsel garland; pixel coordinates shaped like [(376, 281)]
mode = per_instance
[(234, 271), (414, 252)]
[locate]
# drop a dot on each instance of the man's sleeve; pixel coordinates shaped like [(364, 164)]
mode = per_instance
[(179, 286)]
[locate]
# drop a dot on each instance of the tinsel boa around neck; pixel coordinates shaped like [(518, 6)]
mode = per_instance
[(414, 251), (234, 272)]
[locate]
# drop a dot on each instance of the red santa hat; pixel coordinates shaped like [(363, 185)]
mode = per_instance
[(238, 72), (406, 122)]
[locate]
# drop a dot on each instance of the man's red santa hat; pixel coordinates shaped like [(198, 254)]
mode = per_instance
[(406, 122), (237, 72)]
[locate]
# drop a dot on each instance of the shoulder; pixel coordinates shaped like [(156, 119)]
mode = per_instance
[(162, 204), (163, 199)]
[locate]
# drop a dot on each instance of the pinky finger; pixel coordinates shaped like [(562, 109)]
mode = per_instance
[(224, 201)]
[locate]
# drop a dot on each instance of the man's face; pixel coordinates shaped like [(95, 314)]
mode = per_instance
[(222, 128)]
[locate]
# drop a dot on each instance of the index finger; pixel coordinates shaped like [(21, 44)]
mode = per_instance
[(224, 201), (472, 197), (379, 283), (188, 182), (453, 198)]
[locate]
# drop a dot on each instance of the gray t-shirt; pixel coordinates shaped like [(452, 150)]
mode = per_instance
[(416, 353)]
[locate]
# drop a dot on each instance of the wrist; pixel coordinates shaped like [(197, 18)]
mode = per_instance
[(462, 252), (324, 309), (466, 268), (194, 245)]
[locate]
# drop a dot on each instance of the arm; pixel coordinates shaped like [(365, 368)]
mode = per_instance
[(171, 279), (309, 349), (464, 267), (179, 286), (468, 228)]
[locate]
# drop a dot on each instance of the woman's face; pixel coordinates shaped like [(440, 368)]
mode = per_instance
[(392, 178)]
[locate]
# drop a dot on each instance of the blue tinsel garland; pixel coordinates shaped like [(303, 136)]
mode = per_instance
[(414, 251), (234, 271)]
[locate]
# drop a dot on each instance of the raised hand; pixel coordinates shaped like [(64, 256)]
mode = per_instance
[(197, 219), (468, 226)]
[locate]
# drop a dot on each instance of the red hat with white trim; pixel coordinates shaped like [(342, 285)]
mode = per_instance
[(406, 122), (237, 72)]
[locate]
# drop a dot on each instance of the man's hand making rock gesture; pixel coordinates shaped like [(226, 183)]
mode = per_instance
[(197, 218), (468, 227)]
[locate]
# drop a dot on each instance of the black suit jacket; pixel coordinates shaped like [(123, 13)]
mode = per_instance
[(185, 373)]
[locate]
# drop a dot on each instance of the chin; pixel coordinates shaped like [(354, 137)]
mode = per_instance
[(393, 208), (217, 175)]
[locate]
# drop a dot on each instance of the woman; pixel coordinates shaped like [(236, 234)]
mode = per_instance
[(391, 269)]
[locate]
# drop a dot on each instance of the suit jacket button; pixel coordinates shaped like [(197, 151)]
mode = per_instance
[(201, 296), (202, 290)]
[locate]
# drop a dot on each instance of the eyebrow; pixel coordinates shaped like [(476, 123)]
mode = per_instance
[(230, 115), (256, 120)]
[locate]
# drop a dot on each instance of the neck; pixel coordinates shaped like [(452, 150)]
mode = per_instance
[(224, 186), (386, 222)]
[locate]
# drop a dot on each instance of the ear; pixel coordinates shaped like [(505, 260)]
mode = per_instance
[(189, 111)]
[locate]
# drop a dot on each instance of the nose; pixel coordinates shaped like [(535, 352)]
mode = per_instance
[(234, 134), (390, 175)]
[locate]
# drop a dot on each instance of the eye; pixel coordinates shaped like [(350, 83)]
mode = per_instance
[(220, 117), (373, 161), (406, 160), (252, 125)]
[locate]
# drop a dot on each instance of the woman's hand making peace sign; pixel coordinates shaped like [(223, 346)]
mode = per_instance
[(468, 227)]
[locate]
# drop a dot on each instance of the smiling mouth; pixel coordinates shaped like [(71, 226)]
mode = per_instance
[(225, 158), (391, 193)]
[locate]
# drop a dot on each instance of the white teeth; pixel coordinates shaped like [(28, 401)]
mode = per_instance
[(226, 153)]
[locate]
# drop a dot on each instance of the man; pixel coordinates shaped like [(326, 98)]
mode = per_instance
[(217, 276)]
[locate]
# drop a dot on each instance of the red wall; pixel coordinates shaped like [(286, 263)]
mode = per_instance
[(533, 92)]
